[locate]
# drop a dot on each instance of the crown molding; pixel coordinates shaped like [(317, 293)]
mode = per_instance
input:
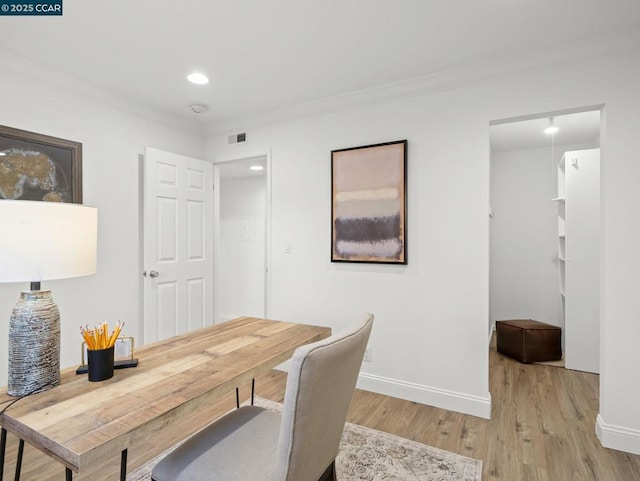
[(588, 49), (534, 60), (23, 68)]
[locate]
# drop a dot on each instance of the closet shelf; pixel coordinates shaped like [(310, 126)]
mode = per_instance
[(558, 199)]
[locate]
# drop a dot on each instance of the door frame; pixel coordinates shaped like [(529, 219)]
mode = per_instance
[(216, 231), (602, 141)]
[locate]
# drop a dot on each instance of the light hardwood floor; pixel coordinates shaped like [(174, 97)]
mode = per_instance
[(541, 429)]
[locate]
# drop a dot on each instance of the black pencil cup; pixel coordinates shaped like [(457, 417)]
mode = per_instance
[(100, 364)]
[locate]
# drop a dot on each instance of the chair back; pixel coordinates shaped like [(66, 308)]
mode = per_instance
[(319, 389)]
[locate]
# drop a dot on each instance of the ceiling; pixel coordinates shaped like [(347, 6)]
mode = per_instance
[(573, 129), (263, 56), (241, 169)]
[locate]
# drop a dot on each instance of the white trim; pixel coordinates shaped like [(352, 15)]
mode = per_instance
[(440, 398), (23, 68), (594, 47), (267, 240), (216, 244), (491, 331), (541, 59), (285, 366), (431, 396), (222, 317), (618, 437)]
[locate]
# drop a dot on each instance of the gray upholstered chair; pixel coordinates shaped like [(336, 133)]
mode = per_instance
[(252, 443)]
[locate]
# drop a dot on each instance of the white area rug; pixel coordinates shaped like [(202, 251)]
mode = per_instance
[(370, 455)]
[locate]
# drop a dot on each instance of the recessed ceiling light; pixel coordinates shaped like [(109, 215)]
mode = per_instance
[(198, 78), (256, 167)]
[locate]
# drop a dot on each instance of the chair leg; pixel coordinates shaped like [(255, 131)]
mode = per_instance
[(330, 473)]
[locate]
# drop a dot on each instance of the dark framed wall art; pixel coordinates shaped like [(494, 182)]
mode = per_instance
[(39, 167), (368, 210)]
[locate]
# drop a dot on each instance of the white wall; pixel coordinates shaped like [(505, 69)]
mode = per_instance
[(524, 277), (429, 340), (242, 247), (430, 313), (111, 142)]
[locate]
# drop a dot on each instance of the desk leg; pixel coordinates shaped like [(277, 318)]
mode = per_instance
[(3, 445), (253, 389), (123, 465), (123, 469), (19, 460)]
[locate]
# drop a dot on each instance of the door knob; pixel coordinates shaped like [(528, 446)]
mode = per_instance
[(154, 274)]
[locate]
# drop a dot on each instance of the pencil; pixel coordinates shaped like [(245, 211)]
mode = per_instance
[(99, 338)]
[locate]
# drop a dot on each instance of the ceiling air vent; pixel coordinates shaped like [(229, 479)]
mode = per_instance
[(238, 138)]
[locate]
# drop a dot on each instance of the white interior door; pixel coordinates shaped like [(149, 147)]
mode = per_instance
[(178, 244)]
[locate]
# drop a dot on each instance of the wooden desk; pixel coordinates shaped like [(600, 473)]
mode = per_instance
[(79, 422)]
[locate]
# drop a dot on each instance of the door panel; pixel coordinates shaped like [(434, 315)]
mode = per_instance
[(178, 246), (582, 246), (195, 230), (195, 301), (167, 306), (166, 229)]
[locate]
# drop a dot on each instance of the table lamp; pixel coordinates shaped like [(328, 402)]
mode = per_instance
[(41, 241)]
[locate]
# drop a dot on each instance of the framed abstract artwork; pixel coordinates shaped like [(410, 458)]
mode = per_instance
[(39, 167), (368, 210)]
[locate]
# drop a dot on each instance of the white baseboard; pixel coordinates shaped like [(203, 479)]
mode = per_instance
[(284, 366), (440, 398), (491, 330), (226, 317), (618, 437)]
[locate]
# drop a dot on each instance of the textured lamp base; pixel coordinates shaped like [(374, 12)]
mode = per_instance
[(34, 344)]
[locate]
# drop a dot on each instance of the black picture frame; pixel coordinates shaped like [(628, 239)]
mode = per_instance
[(369, 203), (39, 167)]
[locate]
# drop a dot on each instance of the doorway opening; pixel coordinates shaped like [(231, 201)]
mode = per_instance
[(241, 238), (544, 227)]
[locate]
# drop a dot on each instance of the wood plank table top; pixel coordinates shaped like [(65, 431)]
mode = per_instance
[(79, 422)]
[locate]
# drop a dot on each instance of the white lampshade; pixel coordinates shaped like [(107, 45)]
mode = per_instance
[(46, 240)]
